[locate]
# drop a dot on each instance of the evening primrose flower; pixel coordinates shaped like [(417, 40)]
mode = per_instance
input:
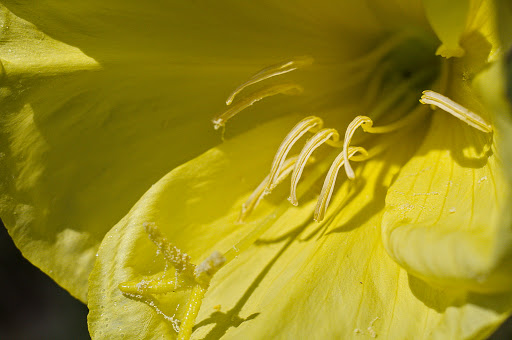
[(385, 124)]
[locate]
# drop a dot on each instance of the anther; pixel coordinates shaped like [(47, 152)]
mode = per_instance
[(271, 71), (330, 180), (288, 89), (312, 144), (312, 124), (366, 123), (455, 109)]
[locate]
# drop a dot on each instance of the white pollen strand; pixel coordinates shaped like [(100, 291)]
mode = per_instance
[(311, 123), (311, 145), (271, 71), (455, 109)]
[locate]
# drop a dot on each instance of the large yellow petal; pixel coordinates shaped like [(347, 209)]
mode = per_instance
[(195, 205), (223, 32), (446, 218), (81, 142), (300, 280)]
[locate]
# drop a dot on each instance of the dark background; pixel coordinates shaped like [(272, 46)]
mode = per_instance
[(33, 307)]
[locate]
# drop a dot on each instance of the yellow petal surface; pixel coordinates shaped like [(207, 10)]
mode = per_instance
[(98, 99), (300, 280), (81, 142), (448, 19), (446, 215)]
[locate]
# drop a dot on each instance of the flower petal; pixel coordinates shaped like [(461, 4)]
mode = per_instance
[(80, 143), (223, 32), (98, 97), (448, 20), (300, 280), (444, 215), (195, 205)]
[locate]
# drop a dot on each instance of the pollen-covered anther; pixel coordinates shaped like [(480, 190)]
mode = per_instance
[(288, 89), (260, 192), (455, 109), (360, 121), (312, 124), (312, 144), (271, 71), (330, 181)]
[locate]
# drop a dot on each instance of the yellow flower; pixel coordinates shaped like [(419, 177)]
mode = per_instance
[(102, 100)]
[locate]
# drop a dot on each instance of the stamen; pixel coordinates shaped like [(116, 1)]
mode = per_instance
[(312, 124), (457, 110), (313, 143), (260, 192), (288, 89), (330, 180), (362, 121), (266, 223), (409, 119), (271, 71)]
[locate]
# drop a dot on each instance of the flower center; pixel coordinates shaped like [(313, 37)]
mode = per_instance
[(394, 75)]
